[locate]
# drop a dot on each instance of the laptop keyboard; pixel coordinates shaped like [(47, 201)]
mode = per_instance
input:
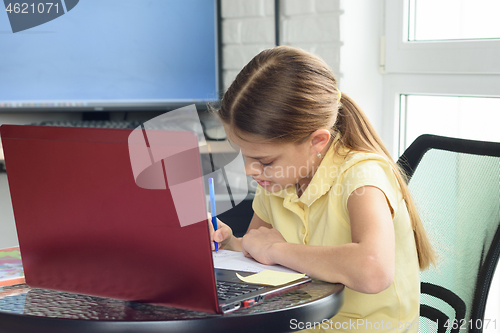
[(227, 290)]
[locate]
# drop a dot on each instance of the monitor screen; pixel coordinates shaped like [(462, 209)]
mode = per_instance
[(112, 55)]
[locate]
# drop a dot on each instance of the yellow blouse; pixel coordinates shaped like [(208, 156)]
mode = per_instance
[(320, 217)]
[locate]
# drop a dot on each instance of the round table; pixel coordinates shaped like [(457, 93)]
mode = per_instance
[(25, 309)]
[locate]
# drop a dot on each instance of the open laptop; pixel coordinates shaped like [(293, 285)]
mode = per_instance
[(85, 226)]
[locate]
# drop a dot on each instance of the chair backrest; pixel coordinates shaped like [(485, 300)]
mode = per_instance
[(456, 187)]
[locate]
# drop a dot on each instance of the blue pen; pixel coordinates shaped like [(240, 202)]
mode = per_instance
[(212, 207)]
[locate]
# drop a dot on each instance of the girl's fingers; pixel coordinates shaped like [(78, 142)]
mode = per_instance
[(219, 235), (223, 233)]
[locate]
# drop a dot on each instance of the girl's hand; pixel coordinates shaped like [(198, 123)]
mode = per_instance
[(257, 244), (223, 234)]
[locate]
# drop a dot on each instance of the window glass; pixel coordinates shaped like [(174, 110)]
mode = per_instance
[(475, 118), (453, 19)]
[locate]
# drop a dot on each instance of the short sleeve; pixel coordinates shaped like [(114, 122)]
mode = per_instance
[(372, 172), (261, 205)]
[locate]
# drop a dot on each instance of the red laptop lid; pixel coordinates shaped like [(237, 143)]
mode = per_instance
[(85, 226)]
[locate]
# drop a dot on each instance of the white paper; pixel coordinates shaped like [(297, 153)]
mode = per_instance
[(235, 260)]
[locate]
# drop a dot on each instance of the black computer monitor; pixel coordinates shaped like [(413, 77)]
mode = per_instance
[(113, 55)]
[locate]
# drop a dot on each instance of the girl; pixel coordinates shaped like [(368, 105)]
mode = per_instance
[(330, 201)]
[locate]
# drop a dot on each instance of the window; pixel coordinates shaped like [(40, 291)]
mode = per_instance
[(474, 118), (423, 56), (442, 76), (411, 23), (431, 20)]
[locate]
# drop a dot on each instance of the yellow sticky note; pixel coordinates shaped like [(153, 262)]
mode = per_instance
[(271, 278)]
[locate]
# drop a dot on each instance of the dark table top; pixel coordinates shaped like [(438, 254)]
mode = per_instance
[(25, 309)]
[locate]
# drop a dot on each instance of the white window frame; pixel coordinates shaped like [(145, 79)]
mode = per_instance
[(480, 56), (395, 85), (458, 68), (446, 68)]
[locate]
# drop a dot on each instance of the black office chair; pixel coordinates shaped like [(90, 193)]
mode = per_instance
[(456, 186)]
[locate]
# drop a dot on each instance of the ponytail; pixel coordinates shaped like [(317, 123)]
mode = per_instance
[(357, 133)]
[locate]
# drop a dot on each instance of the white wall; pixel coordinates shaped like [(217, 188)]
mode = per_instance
[(8, 234), (345, 33), (361, 27), (313, 25), (249, 27)]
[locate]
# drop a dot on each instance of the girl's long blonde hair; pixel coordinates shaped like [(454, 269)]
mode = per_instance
[(284, 94)]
